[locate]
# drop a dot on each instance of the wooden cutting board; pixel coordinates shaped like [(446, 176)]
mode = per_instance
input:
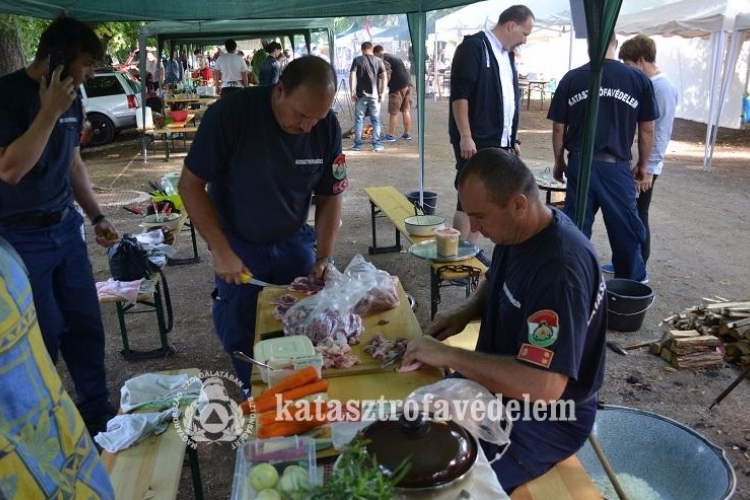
[(401, 322)]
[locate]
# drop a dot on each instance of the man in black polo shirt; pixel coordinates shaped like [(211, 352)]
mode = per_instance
[(399, 94), (41, 175), (260, 182)]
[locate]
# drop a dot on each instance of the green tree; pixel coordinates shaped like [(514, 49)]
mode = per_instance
[(18, 38)]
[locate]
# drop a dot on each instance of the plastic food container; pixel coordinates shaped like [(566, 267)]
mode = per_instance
[(289, 354), (279, 453), (447, 241)]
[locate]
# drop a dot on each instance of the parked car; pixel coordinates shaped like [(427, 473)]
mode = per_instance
[(111, 99)]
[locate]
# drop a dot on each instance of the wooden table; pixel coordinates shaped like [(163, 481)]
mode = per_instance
[(567, 481), (531, 85), (152, 468)]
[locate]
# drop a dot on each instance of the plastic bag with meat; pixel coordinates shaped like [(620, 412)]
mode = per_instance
[(324, 314), (378, 286)]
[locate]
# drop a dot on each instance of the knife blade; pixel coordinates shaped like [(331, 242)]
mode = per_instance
[(249, 280), (393, 358)]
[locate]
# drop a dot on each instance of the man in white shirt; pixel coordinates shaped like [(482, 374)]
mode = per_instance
[(484, 96), (230, 71)]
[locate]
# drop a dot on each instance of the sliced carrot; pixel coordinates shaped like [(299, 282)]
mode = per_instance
[(316, 407), (285, 428), (267, 401), (246, 407), (302, 377)]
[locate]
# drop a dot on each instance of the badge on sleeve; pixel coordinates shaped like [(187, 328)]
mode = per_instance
[(536, 355), (339, 167), (543, 327)]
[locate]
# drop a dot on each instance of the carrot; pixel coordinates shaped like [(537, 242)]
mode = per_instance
[(267, 400), (245, 407), (302, 377), (317, 407), (285, 428)]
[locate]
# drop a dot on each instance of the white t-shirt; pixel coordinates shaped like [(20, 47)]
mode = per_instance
[(231, 67), (506, 83)]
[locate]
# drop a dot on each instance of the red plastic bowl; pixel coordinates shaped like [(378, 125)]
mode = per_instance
[(179, 115)]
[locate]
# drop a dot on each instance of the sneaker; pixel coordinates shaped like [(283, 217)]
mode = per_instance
[(645, 280), (356, 147), (387, 138), (377, 148), (608, 268), (406, 137)]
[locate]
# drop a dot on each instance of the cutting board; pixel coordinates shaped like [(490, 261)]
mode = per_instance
[(401, 322)]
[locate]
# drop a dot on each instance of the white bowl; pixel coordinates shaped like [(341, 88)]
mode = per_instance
[(172, 221), (424, 225)]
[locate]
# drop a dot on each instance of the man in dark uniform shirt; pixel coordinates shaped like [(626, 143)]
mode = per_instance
[(260, 184), (626, 100), (42, 174), (542, 336)]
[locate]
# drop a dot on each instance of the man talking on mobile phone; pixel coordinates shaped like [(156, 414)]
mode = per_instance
[(41, 175)]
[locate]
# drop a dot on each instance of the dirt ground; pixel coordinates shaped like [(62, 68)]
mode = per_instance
[(700, 230)]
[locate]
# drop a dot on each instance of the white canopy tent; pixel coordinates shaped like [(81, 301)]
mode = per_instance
[(726, 24)]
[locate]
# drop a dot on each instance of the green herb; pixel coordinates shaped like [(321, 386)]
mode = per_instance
[(357, 476)]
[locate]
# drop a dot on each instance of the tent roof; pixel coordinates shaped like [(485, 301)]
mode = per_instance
[(193, 10), (208, 32), (687, 18), (207, 29)]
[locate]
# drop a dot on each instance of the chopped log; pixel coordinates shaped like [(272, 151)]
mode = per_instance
[(681, 334), (684, 346), (697, 360), (728, 305), (739, 323), (666, 355)]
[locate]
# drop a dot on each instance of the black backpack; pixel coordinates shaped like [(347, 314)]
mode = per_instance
[(128, 260)]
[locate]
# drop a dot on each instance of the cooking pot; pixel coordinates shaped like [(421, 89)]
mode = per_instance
[(439, 452), (423, 225)]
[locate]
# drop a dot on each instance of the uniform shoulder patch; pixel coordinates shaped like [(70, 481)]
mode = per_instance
[(339, 167), (543, 326), (536, 355)]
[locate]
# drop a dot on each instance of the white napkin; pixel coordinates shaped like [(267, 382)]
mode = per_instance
[(156, 391), (123, 431)]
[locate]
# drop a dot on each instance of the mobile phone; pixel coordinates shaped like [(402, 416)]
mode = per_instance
[(57, 59)]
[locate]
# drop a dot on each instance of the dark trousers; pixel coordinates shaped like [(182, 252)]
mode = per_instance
[(644, 201), (235, 306), (611, 189), (67, 308)]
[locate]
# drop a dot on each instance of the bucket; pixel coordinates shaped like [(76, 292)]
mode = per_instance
[(430, 201), (627, 303)]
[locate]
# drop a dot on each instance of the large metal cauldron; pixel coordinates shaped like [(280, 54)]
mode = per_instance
[(673, 459)]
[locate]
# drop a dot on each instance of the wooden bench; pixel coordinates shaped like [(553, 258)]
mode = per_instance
[(567, 480), (388, 202), (158, 303), (172, 131), (152, 468)]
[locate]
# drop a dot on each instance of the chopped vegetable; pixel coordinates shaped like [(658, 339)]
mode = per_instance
[(267, 400)]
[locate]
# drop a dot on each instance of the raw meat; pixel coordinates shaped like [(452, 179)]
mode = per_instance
[(283, 303)]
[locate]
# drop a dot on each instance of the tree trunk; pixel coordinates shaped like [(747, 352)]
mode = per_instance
[(11, 50)]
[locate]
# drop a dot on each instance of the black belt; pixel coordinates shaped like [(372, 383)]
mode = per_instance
[(36, 220), (602, 157)]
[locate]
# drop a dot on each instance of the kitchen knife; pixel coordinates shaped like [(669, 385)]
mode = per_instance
[(249, 280)]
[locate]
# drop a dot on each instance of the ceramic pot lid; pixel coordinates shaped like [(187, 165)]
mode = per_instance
[(438, 452)]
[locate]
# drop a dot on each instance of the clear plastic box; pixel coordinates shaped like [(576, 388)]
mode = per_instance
[(295, 351), (272, 377), (280, 452)]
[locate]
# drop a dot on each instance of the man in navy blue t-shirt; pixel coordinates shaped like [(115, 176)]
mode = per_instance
[(42, 175), (626, 100), (542, 336), (263, 152)]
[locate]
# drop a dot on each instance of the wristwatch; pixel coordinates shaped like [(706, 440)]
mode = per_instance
[(326, 259)]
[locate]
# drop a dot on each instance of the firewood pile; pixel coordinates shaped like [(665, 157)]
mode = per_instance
[(706, 335)]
